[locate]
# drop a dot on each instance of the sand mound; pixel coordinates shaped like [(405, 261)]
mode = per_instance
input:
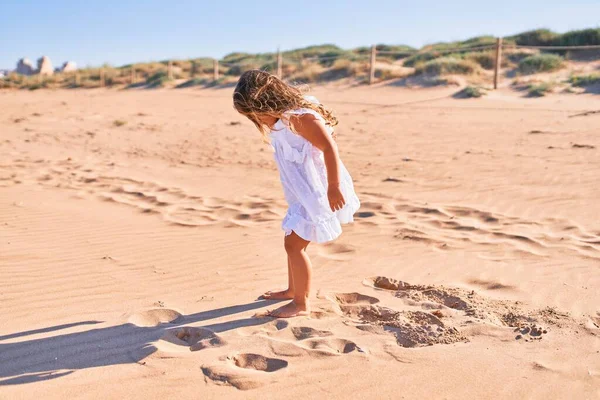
[(193, 338), (411, 328), (464, 307), (155, 317)]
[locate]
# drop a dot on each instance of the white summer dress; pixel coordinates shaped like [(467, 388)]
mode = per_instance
[(304, 179)]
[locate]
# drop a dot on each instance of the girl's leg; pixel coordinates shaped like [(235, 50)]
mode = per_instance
[(301, 268), (284, 294)]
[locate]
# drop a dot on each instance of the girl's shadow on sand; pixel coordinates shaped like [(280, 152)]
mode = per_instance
[(41, 359)]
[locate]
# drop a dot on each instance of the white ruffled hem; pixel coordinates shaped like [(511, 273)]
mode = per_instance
[(322, 231)]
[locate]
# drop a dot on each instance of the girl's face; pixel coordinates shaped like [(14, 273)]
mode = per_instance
[(267, 120)]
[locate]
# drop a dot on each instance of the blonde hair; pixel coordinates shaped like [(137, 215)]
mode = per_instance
[(261, 93)]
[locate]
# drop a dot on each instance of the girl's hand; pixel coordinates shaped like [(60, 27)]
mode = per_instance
[(336, 198)]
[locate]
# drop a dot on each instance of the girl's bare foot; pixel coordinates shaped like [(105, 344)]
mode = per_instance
[(282, 295), (291, 309)]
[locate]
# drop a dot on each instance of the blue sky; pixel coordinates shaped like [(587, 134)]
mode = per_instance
[(120, 32)]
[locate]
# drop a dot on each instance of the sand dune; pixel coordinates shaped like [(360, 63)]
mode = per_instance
[(132, 254)]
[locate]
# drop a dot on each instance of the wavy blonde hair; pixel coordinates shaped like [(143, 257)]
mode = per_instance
[(261, 93)]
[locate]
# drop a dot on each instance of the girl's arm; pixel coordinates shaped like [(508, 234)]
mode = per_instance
[(312, 129)]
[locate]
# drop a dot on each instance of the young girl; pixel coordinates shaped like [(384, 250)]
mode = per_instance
[(317, 186)]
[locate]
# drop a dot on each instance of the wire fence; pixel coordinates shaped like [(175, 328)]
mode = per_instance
[(370, 59), (369, 65)]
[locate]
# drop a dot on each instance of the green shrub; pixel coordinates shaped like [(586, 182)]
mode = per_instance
[(309, 74), (584, 80), (448, 65), (119, 122), (234, 70), (471, 92), (403, 51), (540, 63), (478, 41), (7, 84), (538, 37), (237, 70), (270, 66), (238, 57), (397, 48), (472, 42), (584, 37), (202, 65), (387, 74), (312, 51), (540, 89), (158, 79), (420, 58), (486, 60), (515, 56), (12, 81), (326, 59), (34, 86), (545, 37), (342, 68), (244, 62)]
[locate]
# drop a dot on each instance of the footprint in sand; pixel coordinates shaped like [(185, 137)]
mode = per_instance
[(155, 317), (353, 304), (381, 282), (275, 326), (192, 338), (245, 371), (258, 362), (354, 298), (271, 327), (225, 376), (311, 342), (306, 332), (331, 346)]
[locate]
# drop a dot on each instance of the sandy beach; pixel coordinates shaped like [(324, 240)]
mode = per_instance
[(139, 227)]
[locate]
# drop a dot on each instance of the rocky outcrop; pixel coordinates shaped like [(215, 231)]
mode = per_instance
[(24, 67), (44, 66)]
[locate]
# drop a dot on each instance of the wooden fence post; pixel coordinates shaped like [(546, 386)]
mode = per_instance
[(372, 65), (279, 64), (193, 69), (132, 74), (170, 70), (102, 81), (498, 62), (216, 69)]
